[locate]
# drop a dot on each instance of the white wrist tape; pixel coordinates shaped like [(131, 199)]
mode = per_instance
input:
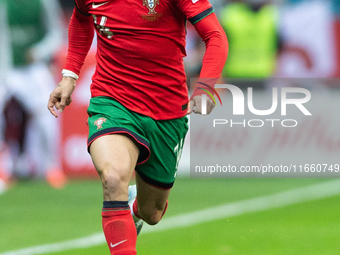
[(68, 73)]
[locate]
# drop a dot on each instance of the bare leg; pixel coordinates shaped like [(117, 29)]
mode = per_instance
[(114, 157), (151, 201)]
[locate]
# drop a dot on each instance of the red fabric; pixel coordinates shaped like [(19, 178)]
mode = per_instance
[(120, 232), (135, 209), (190, 9), (81, 6), (140, 52), (216, 53), (80, 35)]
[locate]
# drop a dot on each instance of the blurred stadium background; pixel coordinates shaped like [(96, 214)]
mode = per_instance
[(50, 195)]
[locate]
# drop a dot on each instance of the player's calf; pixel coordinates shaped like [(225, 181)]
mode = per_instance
[(119, 228), (151, 202), (150, 214)]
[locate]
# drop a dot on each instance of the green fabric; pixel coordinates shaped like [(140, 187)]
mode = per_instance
[(203, 17), (26, 26), (253, 41), (165, 138)]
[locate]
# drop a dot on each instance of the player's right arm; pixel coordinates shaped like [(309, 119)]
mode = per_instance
[(80, 36)]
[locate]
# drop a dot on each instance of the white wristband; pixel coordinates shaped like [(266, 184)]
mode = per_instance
[(68, 73)]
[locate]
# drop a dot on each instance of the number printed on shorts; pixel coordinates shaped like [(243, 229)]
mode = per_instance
[(178, 151), (105, 31)]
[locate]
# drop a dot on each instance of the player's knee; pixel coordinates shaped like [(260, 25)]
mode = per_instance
[(115, 176), (110, 180), (151, 216)]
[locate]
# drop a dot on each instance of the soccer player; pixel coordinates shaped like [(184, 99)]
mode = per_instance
[(137, 114)]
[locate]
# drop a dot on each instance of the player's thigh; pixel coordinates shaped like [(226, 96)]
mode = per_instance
[(114, 157), (150, 197)]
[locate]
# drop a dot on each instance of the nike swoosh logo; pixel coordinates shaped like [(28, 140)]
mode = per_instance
[(94, 6), (114, 245)]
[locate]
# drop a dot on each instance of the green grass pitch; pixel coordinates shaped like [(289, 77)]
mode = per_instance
[(33, 214)]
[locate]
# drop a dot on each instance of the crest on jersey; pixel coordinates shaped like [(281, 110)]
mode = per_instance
[(99, 122), (151, 4)]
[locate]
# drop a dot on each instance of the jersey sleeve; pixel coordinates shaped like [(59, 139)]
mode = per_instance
[(195, 10), (81, 7), (215, 56), (80, 38)]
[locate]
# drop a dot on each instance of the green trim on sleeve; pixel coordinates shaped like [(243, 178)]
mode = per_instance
[(201, 15)]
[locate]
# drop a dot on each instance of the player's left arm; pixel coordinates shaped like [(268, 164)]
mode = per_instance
[(201, 14), (214, 59)]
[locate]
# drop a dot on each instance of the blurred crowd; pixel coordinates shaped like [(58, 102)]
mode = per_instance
[(282, 39)]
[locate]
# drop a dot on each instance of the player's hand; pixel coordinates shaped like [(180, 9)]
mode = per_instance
[(61, 96), (195, 105)]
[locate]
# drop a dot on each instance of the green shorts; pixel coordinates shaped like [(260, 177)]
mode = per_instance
[(161, 142)]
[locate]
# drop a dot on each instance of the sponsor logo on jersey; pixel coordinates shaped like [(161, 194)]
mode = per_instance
[(95, 6), (99, 122), (194, 1)]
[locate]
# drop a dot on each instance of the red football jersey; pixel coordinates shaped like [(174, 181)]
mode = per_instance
[(141, 45)]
